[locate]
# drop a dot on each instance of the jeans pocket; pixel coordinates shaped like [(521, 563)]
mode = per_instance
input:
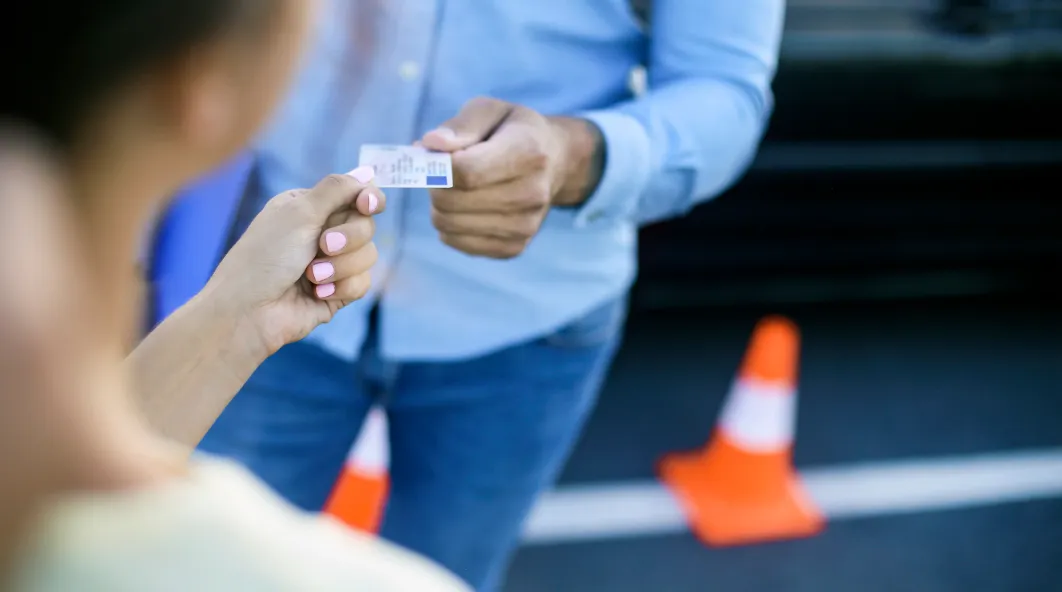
[(593, 329)]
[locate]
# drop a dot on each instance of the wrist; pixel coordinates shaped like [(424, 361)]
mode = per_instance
[(232, 330), (582, 160)]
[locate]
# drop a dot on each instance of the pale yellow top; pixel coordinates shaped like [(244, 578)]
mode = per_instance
[(219, 530)]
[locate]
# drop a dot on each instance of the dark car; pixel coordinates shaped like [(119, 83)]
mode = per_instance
[(915, 149)]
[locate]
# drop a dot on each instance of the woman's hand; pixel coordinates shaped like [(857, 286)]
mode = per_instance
[(305, 256)]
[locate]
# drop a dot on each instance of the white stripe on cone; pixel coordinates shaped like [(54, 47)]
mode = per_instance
[(371, 453), (760, 416)]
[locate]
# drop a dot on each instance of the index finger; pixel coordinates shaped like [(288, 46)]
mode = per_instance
[(512, 152), (371, 201)]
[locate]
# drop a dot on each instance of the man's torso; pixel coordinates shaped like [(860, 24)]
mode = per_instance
[(428, 57)]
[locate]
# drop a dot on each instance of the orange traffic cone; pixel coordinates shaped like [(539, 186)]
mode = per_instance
[(361, 492), (741, 488)]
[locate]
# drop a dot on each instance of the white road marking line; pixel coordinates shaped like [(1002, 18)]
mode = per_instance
[(617, 510)]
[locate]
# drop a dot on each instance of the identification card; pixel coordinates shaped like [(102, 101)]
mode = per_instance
[(408, 166)]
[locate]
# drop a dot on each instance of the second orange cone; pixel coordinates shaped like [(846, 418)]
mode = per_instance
[(360, 493), (741, 487)]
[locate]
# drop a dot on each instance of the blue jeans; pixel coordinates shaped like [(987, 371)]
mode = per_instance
[(473, 442)]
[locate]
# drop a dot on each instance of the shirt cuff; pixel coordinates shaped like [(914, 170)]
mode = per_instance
[(628, 167)]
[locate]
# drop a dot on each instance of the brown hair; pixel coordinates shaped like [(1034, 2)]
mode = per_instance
[(64, 56)]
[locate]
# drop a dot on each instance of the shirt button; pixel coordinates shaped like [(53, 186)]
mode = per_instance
[(409, 71), (638, 81)]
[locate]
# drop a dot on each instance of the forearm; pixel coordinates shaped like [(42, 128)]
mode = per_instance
[(696, 129), (671, 149), (703, 134), (189, 368)]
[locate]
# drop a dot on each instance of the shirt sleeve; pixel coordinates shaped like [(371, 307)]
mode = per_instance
[(697, 128)]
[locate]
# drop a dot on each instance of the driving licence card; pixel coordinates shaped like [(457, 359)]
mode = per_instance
[(408, 166)]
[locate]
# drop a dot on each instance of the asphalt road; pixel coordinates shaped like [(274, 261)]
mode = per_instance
[(904, 380)]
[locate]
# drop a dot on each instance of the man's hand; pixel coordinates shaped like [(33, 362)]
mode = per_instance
[(511, 165)]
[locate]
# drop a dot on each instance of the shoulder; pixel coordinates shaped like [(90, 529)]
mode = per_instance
[(220, 529)]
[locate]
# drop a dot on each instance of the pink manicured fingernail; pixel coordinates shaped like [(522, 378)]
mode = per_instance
[(323, 271), (374, 202), (335, 241), (325, 290), (363, 174)]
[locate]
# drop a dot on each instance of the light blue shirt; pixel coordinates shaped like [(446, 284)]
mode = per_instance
[(684, 140)]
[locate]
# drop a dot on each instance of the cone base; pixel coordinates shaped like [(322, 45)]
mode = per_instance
[(358, 500), (722, 518)]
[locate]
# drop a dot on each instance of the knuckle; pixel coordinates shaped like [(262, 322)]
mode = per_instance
[(283, 200), (277, 204), (357, 262), (299, 207), (361, 230), (537, 158), (524, 113), (440, 220), (510, 249), (370, 255), (361, 285), (444, 201), (484, 102), (534, 121), (337, 181), (356, 287), (533, 199), (449, 240), (475, 179), (526, 227), (466, 173)]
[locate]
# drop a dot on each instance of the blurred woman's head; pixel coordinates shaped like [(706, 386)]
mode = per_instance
[(133, 99), (172, 86), (138, 97)]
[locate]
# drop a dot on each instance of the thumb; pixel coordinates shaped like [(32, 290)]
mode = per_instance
[(338, 192), (476, 121)]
